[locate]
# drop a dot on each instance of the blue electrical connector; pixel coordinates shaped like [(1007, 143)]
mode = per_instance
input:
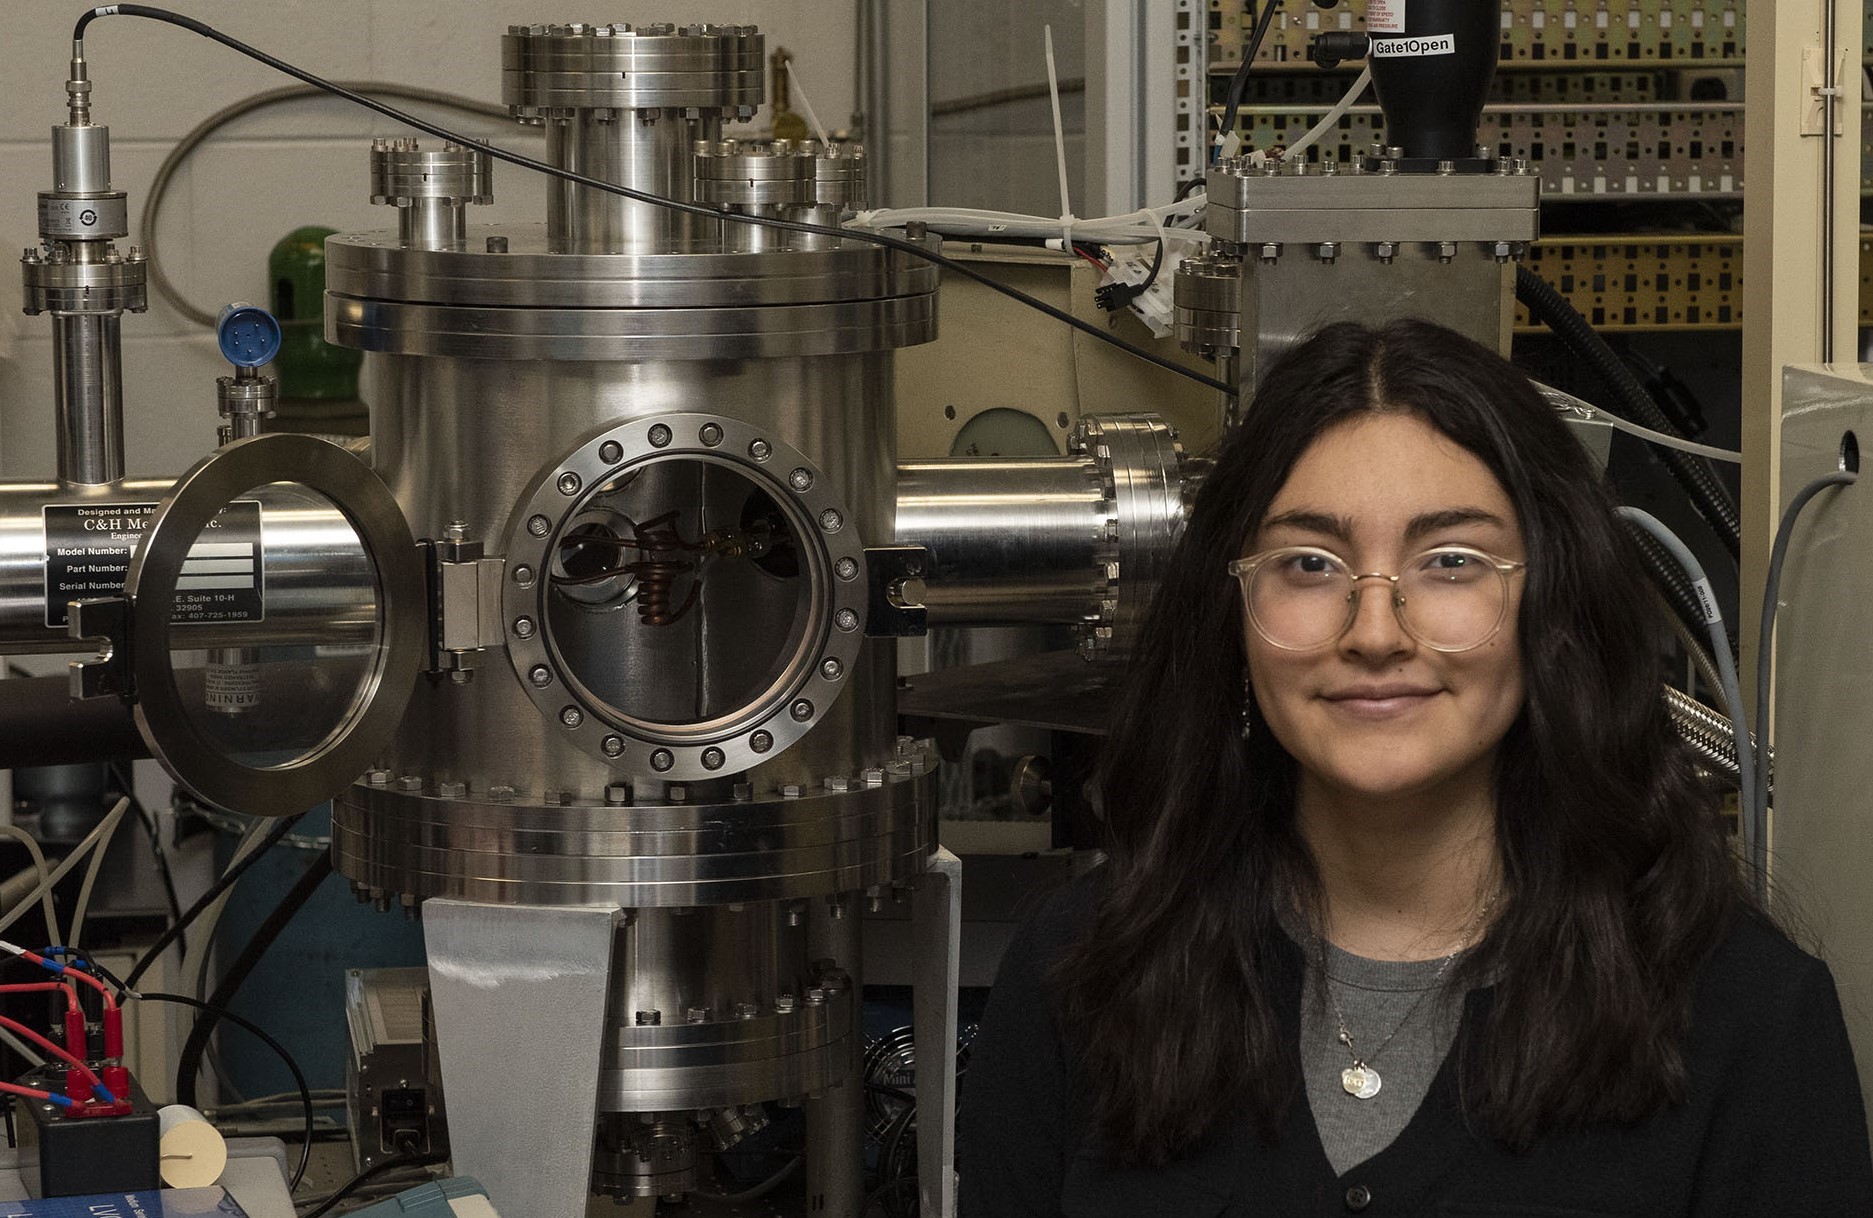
[(55, 951), (432, 1200), (249, 336)]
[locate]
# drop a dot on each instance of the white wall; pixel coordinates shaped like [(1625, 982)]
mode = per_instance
[(272, 172), (1003, 157)]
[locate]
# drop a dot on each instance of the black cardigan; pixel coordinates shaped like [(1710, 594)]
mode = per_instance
[(1773, 1125)]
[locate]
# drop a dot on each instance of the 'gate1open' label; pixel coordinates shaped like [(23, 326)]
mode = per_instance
[(88, 548), (1407, 48)]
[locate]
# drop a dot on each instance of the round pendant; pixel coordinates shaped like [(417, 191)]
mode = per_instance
[(1360, 1082)]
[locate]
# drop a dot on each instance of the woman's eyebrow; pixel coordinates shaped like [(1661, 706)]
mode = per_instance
[(1426, 523), (1338, 527), (1423, 524)]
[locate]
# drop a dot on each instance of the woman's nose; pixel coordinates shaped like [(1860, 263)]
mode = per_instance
[(1375, 631)]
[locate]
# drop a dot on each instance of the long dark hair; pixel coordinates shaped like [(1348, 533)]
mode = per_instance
[(1616, 878)]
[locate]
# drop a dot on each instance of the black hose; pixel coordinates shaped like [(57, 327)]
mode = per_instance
[(129, 789), (262, 939), (1709, 497), (381, 1167), (299, 1076), (292, 1067), (228, 878), (1239, 83)]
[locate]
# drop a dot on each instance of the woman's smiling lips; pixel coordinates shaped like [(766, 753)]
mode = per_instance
[(1379, 701)]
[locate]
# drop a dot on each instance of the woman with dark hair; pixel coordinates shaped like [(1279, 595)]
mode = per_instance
[(1415, 903)]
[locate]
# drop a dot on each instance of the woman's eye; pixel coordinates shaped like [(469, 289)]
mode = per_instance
[(1310, 567), (1450, 566), (1305, 570)]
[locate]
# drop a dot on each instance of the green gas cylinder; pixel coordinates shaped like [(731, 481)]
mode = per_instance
[(318, 381)]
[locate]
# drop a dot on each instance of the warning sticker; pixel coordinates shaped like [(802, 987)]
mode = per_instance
[(88, 548), (1385, 16), (1430, 44)]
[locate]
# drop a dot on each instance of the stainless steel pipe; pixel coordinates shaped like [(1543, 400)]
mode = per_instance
[(626, 104), (88, 389), (431, 189), (316, 579), (42, 724), (76, 274), (878, 133), (835, 1161), (1011, 540), (433, 224), (650, 156), (1078, 540)]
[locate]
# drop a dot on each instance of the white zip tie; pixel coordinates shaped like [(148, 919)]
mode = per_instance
[(1060, 141), (793, 76)]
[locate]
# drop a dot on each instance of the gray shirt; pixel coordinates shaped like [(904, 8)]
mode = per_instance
[(1376, 997)]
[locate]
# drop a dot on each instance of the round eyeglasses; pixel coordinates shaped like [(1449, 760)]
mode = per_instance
[(1450, 598)]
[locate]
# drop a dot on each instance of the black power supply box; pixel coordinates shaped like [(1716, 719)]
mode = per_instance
[(64, 1155)]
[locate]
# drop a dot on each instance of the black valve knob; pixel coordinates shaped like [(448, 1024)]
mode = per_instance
[(1329, 49)]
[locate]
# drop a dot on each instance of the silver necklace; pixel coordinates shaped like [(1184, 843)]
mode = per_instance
[(1360, 1080)]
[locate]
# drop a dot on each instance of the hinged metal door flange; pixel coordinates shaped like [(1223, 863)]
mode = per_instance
[(464, 604), (890, 613), (105, 622)]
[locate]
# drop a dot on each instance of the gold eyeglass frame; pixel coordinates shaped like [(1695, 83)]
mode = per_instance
[(1243, 570)]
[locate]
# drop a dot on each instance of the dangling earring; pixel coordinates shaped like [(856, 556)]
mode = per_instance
[(1248, 722)]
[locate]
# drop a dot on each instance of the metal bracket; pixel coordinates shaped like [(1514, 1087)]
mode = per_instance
[(107, 623), (1826, 93), (464, 604), (529, 1143), (887, 570)]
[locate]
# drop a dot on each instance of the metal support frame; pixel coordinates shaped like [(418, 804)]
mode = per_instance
[(519, 995), (1801, 250), (1137, 117), (897, 101), (1823, 772), (936, 937), (835, 1120)]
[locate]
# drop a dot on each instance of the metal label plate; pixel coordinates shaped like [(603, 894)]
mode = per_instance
[(88, 547)]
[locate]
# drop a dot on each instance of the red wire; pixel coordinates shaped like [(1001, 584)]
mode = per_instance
[(54, 1049), (30, 1092), (110, 999), (71, 992), (1082, 253)]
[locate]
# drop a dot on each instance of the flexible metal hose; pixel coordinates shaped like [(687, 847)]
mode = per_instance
[(1702, 661), (1750, 820), (1707, 732)]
